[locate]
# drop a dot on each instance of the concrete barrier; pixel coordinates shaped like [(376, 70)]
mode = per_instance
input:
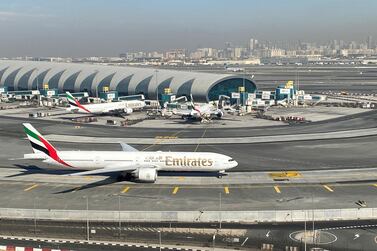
[(193, 216)]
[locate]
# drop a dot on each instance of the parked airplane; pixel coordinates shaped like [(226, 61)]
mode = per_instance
[(234, 69), (121, 107), (140, 166), (202, 112)]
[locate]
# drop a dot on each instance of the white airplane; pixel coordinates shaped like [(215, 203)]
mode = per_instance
[(140, 166), (200, 112), (121, 107), (234, 69)]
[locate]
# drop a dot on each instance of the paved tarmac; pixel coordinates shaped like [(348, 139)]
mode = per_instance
[(300, 156), (105, 195), (12, 127)]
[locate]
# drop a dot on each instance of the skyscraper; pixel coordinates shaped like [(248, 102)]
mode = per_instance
[(370, 42), (251, 44)]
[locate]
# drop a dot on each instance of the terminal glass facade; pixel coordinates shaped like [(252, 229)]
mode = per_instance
[(69, 84), (142, 87), (122, 87), (24, 80), (9, 81), (38, 80), (86, 84), (105, 82), (161, 87), (185, 88), (228, 86), (53, 83)]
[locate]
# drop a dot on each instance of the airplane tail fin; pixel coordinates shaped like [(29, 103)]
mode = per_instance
[(71, 100), (37, 141), (40, 145), (75, 104)]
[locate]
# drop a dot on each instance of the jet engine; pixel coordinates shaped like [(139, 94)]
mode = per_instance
[(219, 113), (128, 110), (148, 175)]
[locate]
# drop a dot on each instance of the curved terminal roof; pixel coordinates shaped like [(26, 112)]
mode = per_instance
[(74, 77)]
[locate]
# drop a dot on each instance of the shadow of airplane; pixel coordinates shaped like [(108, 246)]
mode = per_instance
[(109, 180), (33, 169)]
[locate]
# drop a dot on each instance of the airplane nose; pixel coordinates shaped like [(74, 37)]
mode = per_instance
[(235, 164)]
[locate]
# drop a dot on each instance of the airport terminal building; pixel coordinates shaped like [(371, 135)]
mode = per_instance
[(75, 77)]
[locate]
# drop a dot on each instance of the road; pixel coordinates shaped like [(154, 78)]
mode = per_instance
[(334, 236)]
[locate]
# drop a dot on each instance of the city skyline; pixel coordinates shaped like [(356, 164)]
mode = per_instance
[(70, 28)]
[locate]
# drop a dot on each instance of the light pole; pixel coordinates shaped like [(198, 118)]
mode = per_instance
[(305, 232), (159, 238), (35, 216), (156, 71), (220, 213), (37, 79), (120, 223), (244, 88), (314, 237), (87, 218)]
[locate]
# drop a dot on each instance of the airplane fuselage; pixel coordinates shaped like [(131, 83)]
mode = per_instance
[(108, 107), (161, 161)]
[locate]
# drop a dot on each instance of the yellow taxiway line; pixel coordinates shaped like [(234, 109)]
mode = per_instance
[(226, 190), (175, 190), (30, 188), (125, 190), (277, 189), (328, 188)]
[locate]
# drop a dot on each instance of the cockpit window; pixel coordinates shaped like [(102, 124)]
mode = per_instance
[(230, 160)]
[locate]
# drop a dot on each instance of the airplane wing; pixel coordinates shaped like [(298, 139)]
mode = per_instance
[(103, 170), (184, 112), (127, 147), (112, 169)]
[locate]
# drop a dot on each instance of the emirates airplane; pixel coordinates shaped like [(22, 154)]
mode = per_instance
[(123, 107), (137, 165)]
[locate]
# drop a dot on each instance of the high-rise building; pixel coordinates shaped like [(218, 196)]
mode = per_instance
[(370, 42), (251, 44), (240, 52)]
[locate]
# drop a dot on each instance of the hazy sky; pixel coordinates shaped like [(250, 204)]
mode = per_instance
[(109, 27)]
